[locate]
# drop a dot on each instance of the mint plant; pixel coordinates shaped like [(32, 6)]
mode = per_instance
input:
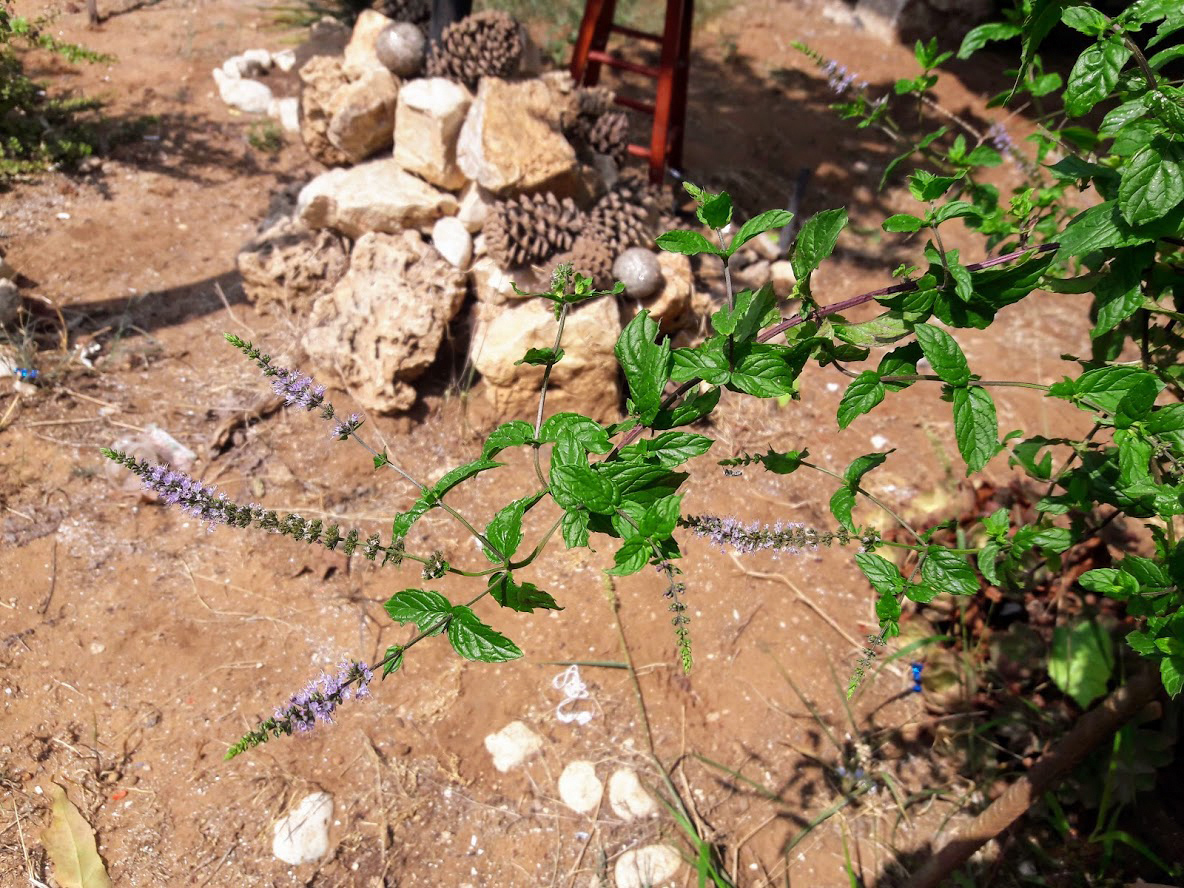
[(619, 485)]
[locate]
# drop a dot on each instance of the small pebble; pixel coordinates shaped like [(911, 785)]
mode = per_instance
[(302, 835), (647, 867), (628, 797), (579, 787), (512, 745), (638, 269)]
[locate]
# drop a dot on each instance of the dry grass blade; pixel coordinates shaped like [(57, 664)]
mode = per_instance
[(70, 843)]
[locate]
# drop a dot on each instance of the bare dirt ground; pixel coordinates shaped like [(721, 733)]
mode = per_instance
[(135, 647)]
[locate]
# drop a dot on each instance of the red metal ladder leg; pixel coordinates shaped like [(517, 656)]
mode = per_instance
[(593, 37)]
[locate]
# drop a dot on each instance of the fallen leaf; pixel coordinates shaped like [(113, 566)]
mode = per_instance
[(70, 842)]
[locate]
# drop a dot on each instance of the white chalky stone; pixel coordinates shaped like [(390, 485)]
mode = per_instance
[(302, 836), (580, 788), (638, 269), (646, 867), (512, 745), (285, 59), (628, 797), (453, 241)]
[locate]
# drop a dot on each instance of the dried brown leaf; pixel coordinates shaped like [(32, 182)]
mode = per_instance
[(70, 843)]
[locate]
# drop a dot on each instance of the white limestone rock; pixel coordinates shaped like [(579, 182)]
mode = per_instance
[(580, 788), (360, 52), (362, 114), (302, 835), (512, 745), (453, 241), (475, 202), (428, 120), (375, 196), (653, 866), (244, 94), (628, 798)]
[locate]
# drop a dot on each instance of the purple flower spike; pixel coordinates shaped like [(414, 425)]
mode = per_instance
[(297, 390), (319, 699), (343, 428)]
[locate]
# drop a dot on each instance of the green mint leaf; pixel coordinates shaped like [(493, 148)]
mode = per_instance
[(505, 530), (423, 607), (1118, 293), (744, 321), (381, 460), (697, 405), (707, 361), (575, 529), (977, 38), (633, 555), (758, 225), (541, 357), (404, 520), (887, 608), (876, 333), (646, 364), (903, 223), (1134, 459), (986, 559), (954, 209), (1142, 642), (658, 520), (925, 186), (690, 243), (1025, 454), (881, 573), (861, 465), (509, 434), (767, 371), (864, 393), (1167, 424), (899, 362), (943, 354), (523, 597), (576, 486), (716, 211), (392, 660), (474, 640), (1171, 672), (668, 449), (783, 463), (462, 473), (841, 505), (998, 523), (1081, 661), (1094, 75), (976, 428), (641, 483), (947, 572), (920, 593), (817, 240), (1152, 183), (1105, 387), (1085, 19), (584, 431)]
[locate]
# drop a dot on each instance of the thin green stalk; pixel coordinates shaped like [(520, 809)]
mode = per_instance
[(538, 420)]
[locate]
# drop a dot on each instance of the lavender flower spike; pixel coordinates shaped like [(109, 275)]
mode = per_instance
[(316, 702), (297, 390), (790, 538)]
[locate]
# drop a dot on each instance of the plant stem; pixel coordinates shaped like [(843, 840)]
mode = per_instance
[(538, 420), (871, 498)]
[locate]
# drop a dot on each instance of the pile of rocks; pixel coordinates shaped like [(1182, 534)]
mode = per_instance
[(476, 180)]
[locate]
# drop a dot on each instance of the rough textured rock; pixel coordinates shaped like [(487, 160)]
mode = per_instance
[(362, 114), (402, 47), (302, 835), (512, 745), (322, 76), (647, 867), (494, 285), (381, 326), (430, 114), (10, 301), (585, 380), (287, 112), (505, 118), (361, 53), (291, 265), (375, 196)]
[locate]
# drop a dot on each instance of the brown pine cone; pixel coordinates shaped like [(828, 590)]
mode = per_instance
[(486, 44), (529, 229)]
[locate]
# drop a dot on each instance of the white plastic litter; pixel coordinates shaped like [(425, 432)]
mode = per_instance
[(574, 690)]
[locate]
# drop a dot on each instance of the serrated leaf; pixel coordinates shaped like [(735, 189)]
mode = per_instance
[(900, 361), (689, 243), (1081, 661), (474, 640), (522, 597), (392, 660), (1171, 672), (864, 393), (668, 449), (766, 371), (1085, 19), (509, 434), (978, 37), (462, 473), (1134, 458), (817, 240), (746, 320), (997, 523), (861, 465), (986, 558), (881, 573), (1105, 387), (944, 354), (947, 572), (541, 357), (631, 557), (878, 332), (716, 211), (423, 607), (707, 361), (505, 530), (577, 486), (841, 504), (575, 529), (1119, 293), (1094, 75), (1152, 184), (976, 428), (757, 225), (70, 843), (642, 483), (646, 364), (697, 405), (903, 223), (925, 186), (583, 430)]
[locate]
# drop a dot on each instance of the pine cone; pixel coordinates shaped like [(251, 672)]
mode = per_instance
[(487, 44), (594, 100), (417, 12), (610, 135), (528, 229), (624, 218), (591, 257)]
